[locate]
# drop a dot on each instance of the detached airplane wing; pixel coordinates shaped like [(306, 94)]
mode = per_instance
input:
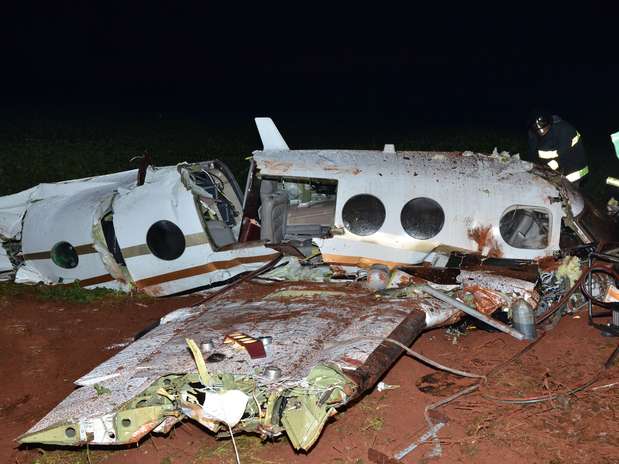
[(324, 350)]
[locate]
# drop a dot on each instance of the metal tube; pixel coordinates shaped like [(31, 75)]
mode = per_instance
[(422, 439), (604, 257), (471, 312)]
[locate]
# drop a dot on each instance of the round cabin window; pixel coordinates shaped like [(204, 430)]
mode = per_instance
[(64, 255), (422, 218), (165, 240), (363, 214)]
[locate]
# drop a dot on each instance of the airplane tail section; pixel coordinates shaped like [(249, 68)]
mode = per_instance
[(270, 136)]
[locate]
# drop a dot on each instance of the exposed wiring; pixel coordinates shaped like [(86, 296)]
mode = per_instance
[(492, 372), (542, 398), (465, 391), (409, 351), (563, 300), (236, 451), (483, 381), (584, 288), (525, 400), (426, 412), (437, 451), (580, 283), (500, 366), (609, 385), (434, 363), (253, 395), (242, 279)]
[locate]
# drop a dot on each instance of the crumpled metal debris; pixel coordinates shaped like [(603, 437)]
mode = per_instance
[(314, 379), (569, 270), (294, 270), (503, 156), (482, 299), (508, 287), (153, 383), (430, 434)]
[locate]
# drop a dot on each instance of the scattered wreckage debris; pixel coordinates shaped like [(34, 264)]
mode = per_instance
[(336, 273), (167, 230), (328, 343), (436, 421)]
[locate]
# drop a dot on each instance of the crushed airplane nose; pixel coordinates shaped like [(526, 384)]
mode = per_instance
[(175, 232)]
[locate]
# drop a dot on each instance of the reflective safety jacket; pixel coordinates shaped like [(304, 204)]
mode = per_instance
[(561, 148)]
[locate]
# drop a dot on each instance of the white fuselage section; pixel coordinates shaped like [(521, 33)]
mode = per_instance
[(473, 191)]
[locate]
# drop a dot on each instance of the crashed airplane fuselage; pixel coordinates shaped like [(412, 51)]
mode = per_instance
[(189, 226), (273, 358), (171, 234)]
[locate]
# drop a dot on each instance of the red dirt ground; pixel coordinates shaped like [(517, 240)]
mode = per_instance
[(46, 345)]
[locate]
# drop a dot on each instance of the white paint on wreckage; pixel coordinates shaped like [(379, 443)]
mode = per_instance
[(71, 212), (474, 191), (48, 214), (163, 197), (337, 328)]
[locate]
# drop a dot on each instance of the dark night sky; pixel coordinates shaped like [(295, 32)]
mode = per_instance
[(432, 64)]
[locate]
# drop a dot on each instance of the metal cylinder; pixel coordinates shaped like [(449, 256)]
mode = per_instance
[(471, 312), (523, 317), (378, 277), (207, 345), (615, 320), (272, 373)]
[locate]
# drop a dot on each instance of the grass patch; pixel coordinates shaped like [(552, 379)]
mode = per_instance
[(52, 145), (72, 457), (71, 293), (374, 423), (248, 446), (371, 406), (75, 294)]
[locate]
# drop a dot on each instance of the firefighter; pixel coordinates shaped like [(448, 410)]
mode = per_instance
[(557, 144)]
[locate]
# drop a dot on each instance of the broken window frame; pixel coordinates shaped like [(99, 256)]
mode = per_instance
[(111, 241), (534, 209), (234, 205), (296, 231)]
